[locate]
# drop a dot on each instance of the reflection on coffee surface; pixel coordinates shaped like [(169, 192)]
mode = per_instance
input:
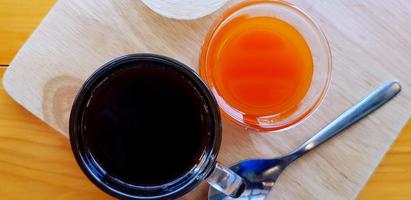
[(143, 119)]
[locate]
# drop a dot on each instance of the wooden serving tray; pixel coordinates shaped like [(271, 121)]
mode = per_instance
[(370, 45)]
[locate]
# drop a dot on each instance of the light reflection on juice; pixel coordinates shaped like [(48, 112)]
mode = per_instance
[(259, 65)]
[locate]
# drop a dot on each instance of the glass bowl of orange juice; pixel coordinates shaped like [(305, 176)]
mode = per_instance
[(267, 63)]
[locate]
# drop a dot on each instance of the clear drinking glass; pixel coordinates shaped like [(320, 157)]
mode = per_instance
[(207, 168), (319, 48)]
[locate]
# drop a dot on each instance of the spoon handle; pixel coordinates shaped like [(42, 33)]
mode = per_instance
[(370, 103)]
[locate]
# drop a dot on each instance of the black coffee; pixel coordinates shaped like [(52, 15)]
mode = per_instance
[(146, 124)]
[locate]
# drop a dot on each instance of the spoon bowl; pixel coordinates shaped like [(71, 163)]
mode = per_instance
[(259, 175)]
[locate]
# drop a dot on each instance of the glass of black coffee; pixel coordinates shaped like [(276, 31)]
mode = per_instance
[(145, 126)]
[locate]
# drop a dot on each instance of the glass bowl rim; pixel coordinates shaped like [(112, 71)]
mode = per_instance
[(203, 59)]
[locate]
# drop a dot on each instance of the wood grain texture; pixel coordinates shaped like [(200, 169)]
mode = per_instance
[(18, 19), (359, 39), (35, 161), (392, 179)]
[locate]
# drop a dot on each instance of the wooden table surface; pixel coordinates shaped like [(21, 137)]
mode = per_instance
[(36, 162)]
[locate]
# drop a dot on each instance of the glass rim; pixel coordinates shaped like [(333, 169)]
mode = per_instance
[(276, 126), (116, 187)]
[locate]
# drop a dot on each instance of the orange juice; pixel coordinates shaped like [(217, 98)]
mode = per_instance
[(259, 65)]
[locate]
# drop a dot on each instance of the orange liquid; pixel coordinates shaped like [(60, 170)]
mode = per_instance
[(260, 65)]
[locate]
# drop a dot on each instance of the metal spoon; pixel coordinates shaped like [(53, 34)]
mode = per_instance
[(261, 174)]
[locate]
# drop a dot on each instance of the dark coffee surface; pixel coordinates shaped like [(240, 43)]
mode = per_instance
[(146, 124)]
